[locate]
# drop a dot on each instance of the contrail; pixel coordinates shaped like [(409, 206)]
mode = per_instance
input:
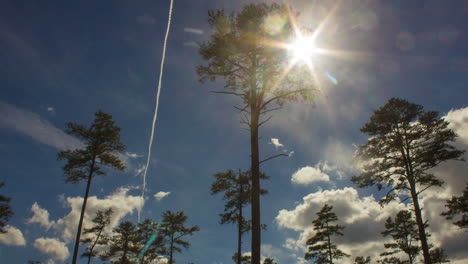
[(157, 104)]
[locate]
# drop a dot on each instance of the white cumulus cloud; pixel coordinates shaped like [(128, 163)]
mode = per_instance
[(52, 247), (160, 195), (308, 175), (276, 143), (12, 237), (40, 216)]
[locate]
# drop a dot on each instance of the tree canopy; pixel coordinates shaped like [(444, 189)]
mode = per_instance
[(5, 210)]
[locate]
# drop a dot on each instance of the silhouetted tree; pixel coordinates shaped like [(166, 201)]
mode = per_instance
[(320, 247), (122, 246), (5, 210), (101, 143), (245, 259), (404, 231), (362, 260), (269, 261), (149, 232), (173, 225), (438, 256), (101, 221), (458, 206), (244, 53), (404, 144), (237, 191)]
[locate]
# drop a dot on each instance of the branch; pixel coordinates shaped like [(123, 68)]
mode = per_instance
[(242, 109), (269, 110), (264, 121), (282, 95), (233, 93), (272, 157)]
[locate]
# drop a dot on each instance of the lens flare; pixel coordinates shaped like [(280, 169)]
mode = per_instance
[(303, 48)]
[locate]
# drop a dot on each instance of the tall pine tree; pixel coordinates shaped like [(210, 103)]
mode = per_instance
[(122, 246), (405, 143), (320, 247), (101, 143), (96, 234), (243, 50)]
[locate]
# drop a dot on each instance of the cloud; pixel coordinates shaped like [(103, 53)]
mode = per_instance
[(50, 109), (133, 155), (120, 201), (459, 123), (12, 237), (40, 216), (146, 19), (308, 175), (191, 44), (193, 30), (276, 142), (31, 124), (160, 195), (52, 247)]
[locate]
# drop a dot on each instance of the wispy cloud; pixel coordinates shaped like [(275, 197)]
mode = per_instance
[(276, 143), (160, 195), (193, 30), (34, 126), (133, 155), (146, 19)]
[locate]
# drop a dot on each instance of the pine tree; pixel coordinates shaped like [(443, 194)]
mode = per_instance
[(404, 232), (244, 53), (269, 261), (149, 232), (438, 256), (320, 247), (237, 191), (101, 221), (122, 246), (5, 210), (173, 226), (458, 206), (101, 142), (405, 143)]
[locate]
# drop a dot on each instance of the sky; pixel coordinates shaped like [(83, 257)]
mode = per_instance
[(62, 61)]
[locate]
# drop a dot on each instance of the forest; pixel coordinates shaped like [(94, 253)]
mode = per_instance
[(259, 59)]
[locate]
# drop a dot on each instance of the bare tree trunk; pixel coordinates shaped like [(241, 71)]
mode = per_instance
[(239, 223), (83, 208), (171, 252), (329, 246), (255, 168), (421, 228)]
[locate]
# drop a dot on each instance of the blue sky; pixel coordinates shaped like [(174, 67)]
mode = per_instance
[(63, 61)]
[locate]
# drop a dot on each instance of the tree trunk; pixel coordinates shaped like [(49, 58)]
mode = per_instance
[(255, 199), (329, 245), (420, 222), (171, 249), (83, 208), (239, 223)]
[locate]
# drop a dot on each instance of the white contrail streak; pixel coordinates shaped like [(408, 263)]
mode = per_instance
[(157, 104)]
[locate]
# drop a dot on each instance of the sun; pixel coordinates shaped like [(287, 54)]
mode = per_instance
[(303, 48)]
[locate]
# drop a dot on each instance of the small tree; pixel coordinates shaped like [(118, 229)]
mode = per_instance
[(237, 191), (5, 210), (458, 206), (269, 261), (101, 142), (362, 260), (404, 231), (320, 247), (173, 226), (438, 256), (149, 240), (122, 246), (101, 221), (404, 144), (244, 51)]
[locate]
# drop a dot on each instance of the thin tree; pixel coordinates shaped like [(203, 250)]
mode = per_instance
[(244, 53), (458, 207), (320, 247), (237, 192), (101, 143), (101, 221), (5, 210), (404, 232), (269, 261), (405, 143), (173, 226), (149, 240), (122, 246)]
